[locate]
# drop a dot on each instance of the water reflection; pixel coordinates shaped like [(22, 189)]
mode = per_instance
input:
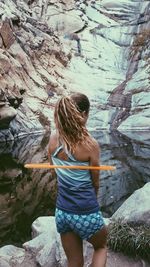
[(28, 194), (25, 194)]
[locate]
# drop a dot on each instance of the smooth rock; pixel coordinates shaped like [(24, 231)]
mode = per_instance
[(136, 208), (12, 254)]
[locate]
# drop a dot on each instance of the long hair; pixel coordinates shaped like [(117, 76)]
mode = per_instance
[(70, 122)]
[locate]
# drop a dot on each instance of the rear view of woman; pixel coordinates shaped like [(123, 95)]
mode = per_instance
[(78, 216)]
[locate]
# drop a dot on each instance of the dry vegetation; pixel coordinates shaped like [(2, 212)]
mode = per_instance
[(129, 238)]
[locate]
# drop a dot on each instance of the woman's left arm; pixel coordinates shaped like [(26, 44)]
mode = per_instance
[(95, 161)]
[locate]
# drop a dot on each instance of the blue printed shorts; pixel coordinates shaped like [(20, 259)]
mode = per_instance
[(84, 225)]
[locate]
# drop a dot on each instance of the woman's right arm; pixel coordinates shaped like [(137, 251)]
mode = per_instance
[(51, 148)]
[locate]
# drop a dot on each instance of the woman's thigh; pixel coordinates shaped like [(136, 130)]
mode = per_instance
[(73, 247), (99, 239)]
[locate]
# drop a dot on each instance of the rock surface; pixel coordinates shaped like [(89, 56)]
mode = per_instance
[(136, 208), (102, 51)]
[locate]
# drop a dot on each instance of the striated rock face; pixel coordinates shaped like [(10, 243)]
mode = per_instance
[(48, 48), (30, 56)]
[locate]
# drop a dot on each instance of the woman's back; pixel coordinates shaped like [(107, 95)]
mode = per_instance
[(75, 189), (81, 152)]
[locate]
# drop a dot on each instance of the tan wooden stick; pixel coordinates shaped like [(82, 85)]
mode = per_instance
[(48, 166)]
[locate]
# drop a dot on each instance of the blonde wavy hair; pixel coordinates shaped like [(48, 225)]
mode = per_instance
[(70, 121)]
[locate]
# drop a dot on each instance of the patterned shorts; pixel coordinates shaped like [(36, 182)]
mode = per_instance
[(84, 225)]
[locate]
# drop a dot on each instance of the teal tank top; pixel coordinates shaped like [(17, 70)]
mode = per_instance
[(76, 193)]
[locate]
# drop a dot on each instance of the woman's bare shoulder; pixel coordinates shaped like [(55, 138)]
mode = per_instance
[(86, 149), (95, 144), (54, 135), (53, 141)]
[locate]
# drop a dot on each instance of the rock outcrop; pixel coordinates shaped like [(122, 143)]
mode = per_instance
[(31, 55), (48, 48), (136, 208)]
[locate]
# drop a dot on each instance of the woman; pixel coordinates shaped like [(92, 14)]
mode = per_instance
[(77, 211)]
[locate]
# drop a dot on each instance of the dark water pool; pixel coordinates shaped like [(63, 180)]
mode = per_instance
[(28, 194)]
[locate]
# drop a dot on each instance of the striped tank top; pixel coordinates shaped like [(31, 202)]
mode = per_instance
[(76, 193)]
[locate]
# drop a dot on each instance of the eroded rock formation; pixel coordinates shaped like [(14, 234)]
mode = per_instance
[(48, 48), (30, 57)]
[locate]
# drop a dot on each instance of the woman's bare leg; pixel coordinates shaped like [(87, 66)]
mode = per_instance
[(73, 247), (98, 240)]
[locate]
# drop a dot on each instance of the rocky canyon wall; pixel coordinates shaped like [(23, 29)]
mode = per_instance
[(49, 48)]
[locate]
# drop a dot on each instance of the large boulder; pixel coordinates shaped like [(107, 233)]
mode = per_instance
[(46, 244), (136, 208)]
